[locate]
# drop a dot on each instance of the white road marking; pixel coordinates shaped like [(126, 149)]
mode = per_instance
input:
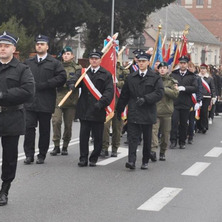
[(122, 152), (196, 169), (160, 199), (215, 152)]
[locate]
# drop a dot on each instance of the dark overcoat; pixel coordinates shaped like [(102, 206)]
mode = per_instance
[(17, 85), (150, 87), (48, 74)]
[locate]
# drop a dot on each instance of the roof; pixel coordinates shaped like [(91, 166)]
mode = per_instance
[(177, 18)]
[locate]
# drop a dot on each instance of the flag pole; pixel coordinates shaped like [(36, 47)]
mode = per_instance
[(175, 56), (185, 32), (104, 50), (155, 47)]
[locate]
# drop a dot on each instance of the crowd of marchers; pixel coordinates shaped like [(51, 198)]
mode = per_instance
[(163, 108)]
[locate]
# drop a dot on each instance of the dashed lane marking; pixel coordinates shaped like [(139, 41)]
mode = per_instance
[(215, 152), (196, 169), (160, 199)]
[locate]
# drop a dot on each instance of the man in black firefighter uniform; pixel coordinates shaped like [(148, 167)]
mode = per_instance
[(90, 111), (141, 91), (49, 74), (187, 84), (16, 88)]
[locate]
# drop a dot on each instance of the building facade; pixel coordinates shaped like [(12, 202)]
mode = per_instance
[(208, 12)]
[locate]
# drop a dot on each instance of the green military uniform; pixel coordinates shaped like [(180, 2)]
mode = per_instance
[(68, 109), (165, 109), (116, 124)]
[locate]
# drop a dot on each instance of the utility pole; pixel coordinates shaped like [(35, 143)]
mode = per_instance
[(112, 16)]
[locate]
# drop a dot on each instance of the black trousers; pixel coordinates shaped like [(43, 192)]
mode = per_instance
[(97, 131), (134, 132), (202, 123), (179, 121), (32, 120), (9, 157), (191, 126)]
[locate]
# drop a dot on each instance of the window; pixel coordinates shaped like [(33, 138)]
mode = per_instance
[(188, 2), (199, 2), (179, 2)]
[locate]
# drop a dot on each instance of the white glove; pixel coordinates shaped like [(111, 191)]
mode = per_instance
[(181, 88), (201, 103), (197, 106), (214, 99)]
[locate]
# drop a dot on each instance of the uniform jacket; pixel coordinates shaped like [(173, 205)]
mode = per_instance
[(48, 75), (210, 82), (150, 87), (165, 106), (70, 68), (189, 81), (103, 82), (217, 83), (17, 85)]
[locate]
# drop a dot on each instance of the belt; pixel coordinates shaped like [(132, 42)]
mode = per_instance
[(10, 108)]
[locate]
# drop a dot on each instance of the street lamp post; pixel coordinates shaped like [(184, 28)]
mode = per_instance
[(112, 18)]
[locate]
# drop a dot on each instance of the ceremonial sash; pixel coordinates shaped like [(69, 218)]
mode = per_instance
[(205, 85), (94, 91), (194, 98), (135, 67), (197, 112)]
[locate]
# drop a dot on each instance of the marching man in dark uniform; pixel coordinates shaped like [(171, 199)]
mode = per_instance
[(49, 74), (141, 91), (16, 88), (91, 111), (187, 84), (209, 95)]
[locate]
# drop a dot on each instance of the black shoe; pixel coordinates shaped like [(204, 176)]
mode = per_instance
[(64, 151), (3, 199), (190, 141), (162, 157), (104, 153), (28, 160), (130, 165), (40, 160), (182, 146), (173, 145), (55, 151), (92, 164), (204, 131), (153, 156), (114, 154), (144, 166), (82, 163)]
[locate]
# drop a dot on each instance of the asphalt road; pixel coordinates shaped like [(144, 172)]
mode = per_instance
[(61, 191)]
